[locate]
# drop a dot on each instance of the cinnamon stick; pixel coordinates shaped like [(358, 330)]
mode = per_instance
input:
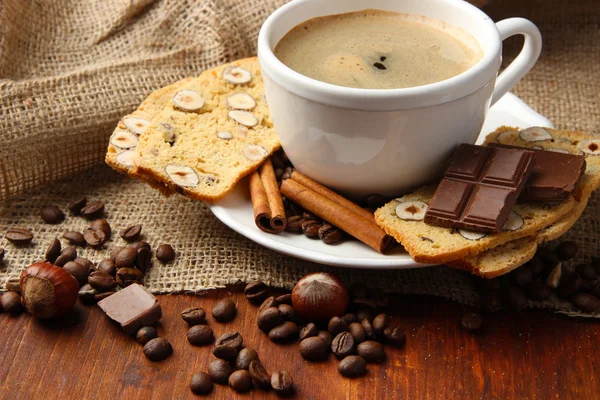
[(344, 218), (269, 213), (331, 195)]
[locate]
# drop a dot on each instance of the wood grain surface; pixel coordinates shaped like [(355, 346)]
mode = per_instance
[(527, 355)]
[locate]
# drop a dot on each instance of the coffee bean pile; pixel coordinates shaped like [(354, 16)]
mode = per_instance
[(546, 274), (355, 338), (155, 348), (235, 364)]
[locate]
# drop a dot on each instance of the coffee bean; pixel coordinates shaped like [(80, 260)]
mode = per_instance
[(538, 290), (129, 274), (74, 238), (357, 331), (52, 214), (309, 330), (313, 348), (282, 383), (522, 276), (66, 255), (101, 281), (85, 262), (269, 319), (516, 298), (284, 299), (146, 334), (126, 258), (194, 316), (311, 227), (131, 233), (294, 224), (336, 326), (76, 206), (394, 336), (19, 236), (233, 339), (200, 335), (287, 312), (256, 292), (11, 303), (141, 244), (87, 294), (491, 301), (364, 303), (566, 250), (53, 250), (158, 349), (471, 321), (245, 357), (352, 366), (269, 302), (536, 265), (94, 237), (220, 370), (224, 351), (570, 285), (586, 271), (286, 331), (143, 259), (329, 234), (77, 271), (586, 302), (369, 332), (381, 300), (240, 381), (93, 210), (102, 225), (371, 351), (13, 285), (225, 310), (114, 252), (380, 322), (326, 336), (259, 375), (102, 296), (364, 314), (309, 216), (349, 318), (343, 345), (201, 383), (107, 266), (165, 253)]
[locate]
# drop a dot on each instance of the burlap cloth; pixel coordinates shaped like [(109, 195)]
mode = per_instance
[(70, 69)]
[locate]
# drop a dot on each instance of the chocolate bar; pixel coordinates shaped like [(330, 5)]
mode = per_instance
[(132, 307), (480, 188), (554, 177)]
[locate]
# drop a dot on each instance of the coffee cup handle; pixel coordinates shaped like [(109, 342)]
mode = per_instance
[(528, 56)]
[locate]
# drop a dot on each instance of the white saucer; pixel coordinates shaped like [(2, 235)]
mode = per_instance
[(236, 212)]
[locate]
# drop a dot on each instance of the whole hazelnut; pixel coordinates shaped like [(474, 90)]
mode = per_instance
[(48, 291), (320, 296)]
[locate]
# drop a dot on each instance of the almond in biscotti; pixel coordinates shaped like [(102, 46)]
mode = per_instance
[(590, 146), (243, 117), (506, 136), (254, 152), (535, 134), (411, 210), (237, 75), (123, 139), (126, 158), (241, 101), (224, 135), (136, 125), (188, 100), (514, 222), (182, 175), (471, 235)]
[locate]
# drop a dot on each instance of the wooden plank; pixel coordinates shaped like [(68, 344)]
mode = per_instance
[(519, 355)]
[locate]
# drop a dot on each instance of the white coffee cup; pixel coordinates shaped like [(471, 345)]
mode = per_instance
[(387, 141)]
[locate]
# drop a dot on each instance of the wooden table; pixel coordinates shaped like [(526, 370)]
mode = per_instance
[(519, 355)]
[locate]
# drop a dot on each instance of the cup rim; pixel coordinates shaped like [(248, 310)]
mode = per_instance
[(463, 84)]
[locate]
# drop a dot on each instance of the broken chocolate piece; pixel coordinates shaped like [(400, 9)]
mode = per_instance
[(480, 188), (132, 307), (554, 176)]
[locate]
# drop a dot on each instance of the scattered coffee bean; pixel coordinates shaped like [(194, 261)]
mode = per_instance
[(284, 299), (19, 236), (586, 302), (282, 383), (287, 312), (74, 238), (538, 290), (394, 336), (269, 319), (77, 271), (256, 292), (259, 375), (93, 210), (516, 298), (94, 237), (131, 233), (76, 206), (326, 336), (11, 303), (101, 281), (311, 227), (369, 332), (87, 294), (352, 366), (349, 318), (336, 326), (308, 215), (114, 252), (200, 335), (129, 274), (143, 259), (102, 296), (245, 357), (102, 225), (522, 276), (364, 303), (107, 266), (141, 244), (220, 370), (313, 348), (343, 345), (570, 285), (294, 224), (364, 314), (165, 253), (536, 265), (566, 250), (233, 339), (13, 285), (371, 351), (146, 334), (52, 214), (194, 316), (471, 321), (269, 302), (380, 322), (357, 331), (309, 330), (85, 262), (67, 254), (223, 351), (286, 331), (240, 381), (225, 310), (201, 383), (158, 349), (586, 271), (53, 250), (329, 234), (126, 258)]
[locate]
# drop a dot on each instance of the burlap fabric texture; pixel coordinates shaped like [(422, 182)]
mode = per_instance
[(69, 70)]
